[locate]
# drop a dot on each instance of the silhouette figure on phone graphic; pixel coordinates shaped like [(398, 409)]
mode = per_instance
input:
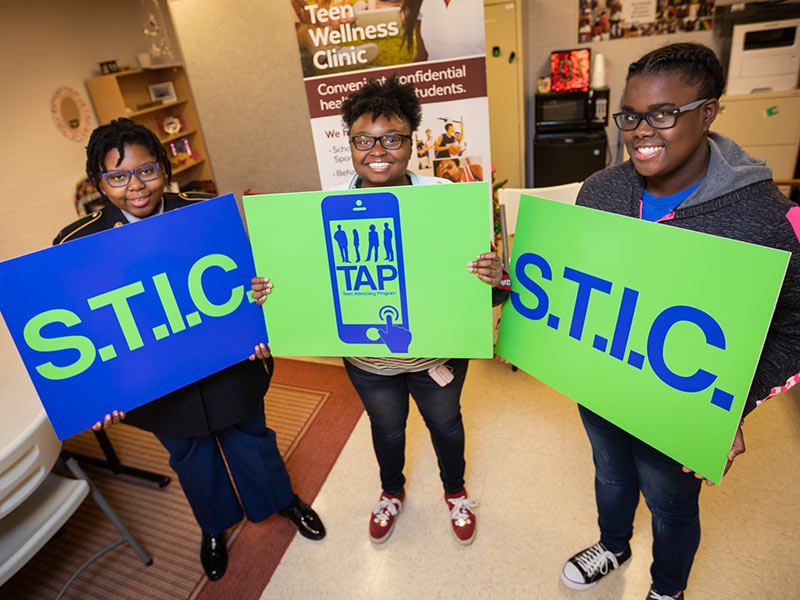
[(374, 239), (355, 244), (341, 238), (387, 242)]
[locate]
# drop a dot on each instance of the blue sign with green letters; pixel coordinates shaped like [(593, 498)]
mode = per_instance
[(114, 320)]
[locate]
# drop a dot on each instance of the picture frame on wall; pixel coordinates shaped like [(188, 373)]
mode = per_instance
[(165, 92)]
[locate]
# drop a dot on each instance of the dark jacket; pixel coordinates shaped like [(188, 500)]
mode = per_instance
[(211, 404), (736, 200)]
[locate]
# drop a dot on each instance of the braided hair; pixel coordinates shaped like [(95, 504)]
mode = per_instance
[(388, 98), (115, 135), (695, 64)]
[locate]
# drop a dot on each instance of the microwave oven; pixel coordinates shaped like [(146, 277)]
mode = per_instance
[(559, 111)]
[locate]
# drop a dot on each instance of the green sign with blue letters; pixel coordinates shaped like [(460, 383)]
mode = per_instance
[(375, 272), (655, 328), (116, 319)]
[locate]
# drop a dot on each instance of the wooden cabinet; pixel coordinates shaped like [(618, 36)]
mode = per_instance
[(766, 125), (126, 94)]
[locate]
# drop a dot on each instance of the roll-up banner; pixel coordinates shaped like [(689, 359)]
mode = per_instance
[(438, 45)]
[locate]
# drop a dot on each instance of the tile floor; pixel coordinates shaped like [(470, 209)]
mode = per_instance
[(529, 465)]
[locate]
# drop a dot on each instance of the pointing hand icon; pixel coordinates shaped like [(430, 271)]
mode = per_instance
[(396, 338)]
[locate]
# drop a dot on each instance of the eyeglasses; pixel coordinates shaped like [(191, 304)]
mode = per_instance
[(147, 172), (390, 141), (664, 118)]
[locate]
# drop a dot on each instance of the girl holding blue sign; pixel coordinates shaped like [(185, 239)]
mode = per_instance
[(221, 413), (684, 176), (381, 118)]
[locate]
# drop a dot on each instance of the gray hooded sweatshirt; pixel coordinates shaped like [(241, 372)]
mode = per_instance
[(737, 199)]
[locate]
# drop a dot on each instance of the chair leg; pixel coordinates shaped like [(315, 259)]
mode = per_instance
[(76, 470), (127, 536), (80, 569), (113, 463)]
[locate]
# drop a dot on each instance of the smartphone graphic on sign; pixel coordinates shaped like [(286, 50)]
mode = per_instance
[(365, 259)]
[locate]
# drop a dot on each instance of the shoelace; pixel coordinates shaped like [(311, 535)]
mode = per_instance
[(385, 508), (597, 558), (654, 595), (462, 508)]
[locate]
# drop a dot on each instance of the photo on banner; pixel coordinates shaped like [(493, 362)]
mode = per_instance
[(134, 312), (435, 45), (364, 278), (658, 347)]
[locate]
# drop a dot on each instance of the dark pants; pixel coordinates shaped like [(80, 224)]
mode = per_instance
[(385, 399), (623, 466), (255, 464)]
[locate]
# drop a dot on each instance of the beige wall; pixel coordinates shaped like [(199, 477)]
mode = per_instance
[(45, 45), (244, 68), (553, 26), (242, 60)]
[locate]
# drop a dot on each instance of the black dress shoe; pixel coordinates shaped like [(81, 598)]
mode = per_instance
[(308, 522), (214, 555)]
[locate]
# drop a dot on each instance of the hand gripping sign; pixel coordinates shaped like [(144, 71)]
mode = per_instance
[(655, 328), (375, 272), (130, 314)]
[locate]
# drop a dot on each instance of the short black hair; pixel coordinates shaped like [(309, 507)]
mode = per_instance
[(388, 98), (115, 135), (695, 64)]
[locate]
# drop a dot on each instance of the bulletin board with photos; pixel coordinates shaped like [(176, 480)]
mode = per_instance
[(602, 20)]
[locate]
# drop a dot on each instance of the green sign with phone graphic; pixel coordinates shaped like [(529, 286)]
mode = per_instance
[(375, 272), (655, 328)]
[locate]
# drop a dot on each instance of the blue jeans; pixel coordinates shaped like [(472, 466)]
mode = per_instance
[(623, 466), (385, 398)]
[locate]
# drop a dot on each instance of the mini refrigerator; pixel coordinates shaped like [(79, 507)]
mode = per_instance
[(568, 156)]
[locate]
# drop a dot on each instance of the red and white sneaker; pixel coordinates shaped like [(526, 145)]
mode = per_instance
[(381, 521), (462, 516)]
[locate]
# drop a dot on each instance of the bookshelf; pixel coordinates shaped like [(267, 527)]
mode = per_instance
[(126, 94)]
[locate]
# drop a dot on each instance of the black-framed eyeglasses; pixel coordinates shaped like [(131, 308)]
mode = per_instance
[(663, 118), (389, 141), (147, 172)]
